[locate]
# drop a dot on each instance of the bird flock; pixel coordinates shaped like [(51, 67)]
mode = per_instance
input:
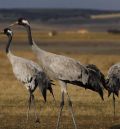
[(61, 68)]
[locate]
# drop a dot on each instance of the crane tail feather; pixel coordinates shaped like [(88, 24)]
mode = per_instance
[(44, 92), (101, 93), (109, 93), (51, 91)]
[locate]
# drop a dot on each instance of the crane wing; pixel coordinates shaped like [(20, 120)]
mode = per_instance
[(31, 74), (66, 68)]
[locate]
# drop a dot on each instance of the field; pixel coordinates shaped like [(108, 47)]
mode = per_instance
[(91, 112)]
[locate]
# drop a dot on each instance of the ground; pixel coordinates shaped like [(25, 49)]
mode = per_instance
[(90, 111)]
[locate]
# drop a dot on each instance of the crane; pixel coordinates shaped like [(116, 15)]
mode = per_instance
[(64, 70), (113, 82), (29, 73)]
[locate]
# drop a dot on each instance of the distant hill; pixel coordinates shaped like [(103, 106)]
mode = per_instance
[(55, 16)]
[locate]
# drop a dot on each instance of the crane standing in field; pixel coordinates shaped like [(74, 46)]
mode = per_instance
[(29, 73), (65, 70), (113, 82)]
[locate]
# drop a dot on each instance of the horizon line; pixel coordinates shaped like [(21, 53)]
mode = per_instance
[(70, 8)]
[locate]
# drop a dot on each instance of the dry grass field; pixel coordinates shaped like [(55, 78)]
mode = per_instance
[(65, 36), (90, 111)]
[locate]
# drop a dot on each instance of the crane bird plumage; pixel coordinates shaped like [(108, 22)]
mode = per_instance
[(65, 70), (113, 82), (29, 73)]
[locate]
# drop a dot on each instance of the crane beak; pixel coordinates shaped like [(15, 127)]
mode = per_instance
[(15, 23)]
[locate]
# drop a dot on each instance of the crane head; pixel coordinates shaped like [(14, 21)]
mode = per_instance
[(20, 21), (7, 31), (23, 21)]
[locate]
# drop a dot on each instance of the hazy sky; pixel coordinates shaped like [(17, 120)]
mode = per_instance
[(94, 4)]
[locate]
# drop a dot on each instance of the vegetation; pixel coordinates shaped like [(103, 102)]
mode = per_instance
[(71, 36), (90, 111)]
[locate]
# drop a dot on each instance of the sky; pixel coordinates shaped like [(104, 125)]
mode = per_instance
[(87, 4)]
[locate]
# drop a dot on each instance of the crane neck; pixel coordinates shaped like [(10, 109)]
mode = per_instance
[(8, 44), (29, 35), (32, 43)]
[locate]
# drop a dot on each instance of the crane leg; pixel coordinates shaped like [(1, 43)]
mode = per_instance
[(64, 90), (61, 108), (71, 110), (114, 103), (34, 105), (29, 105)]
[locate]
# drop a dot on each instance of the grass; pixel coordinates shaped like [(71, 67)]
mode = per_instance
[(66, 36), (90, 111)]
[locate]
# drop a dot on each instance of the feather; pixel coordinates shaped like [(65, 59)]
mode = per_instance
[(95, 81), (44, 84), (30, 73), (113, 79), (113, 82)]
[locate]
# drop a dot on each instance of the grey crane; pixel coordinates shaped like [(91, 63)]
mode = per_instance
[(29, 73), (113, 81), (65, 70)]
